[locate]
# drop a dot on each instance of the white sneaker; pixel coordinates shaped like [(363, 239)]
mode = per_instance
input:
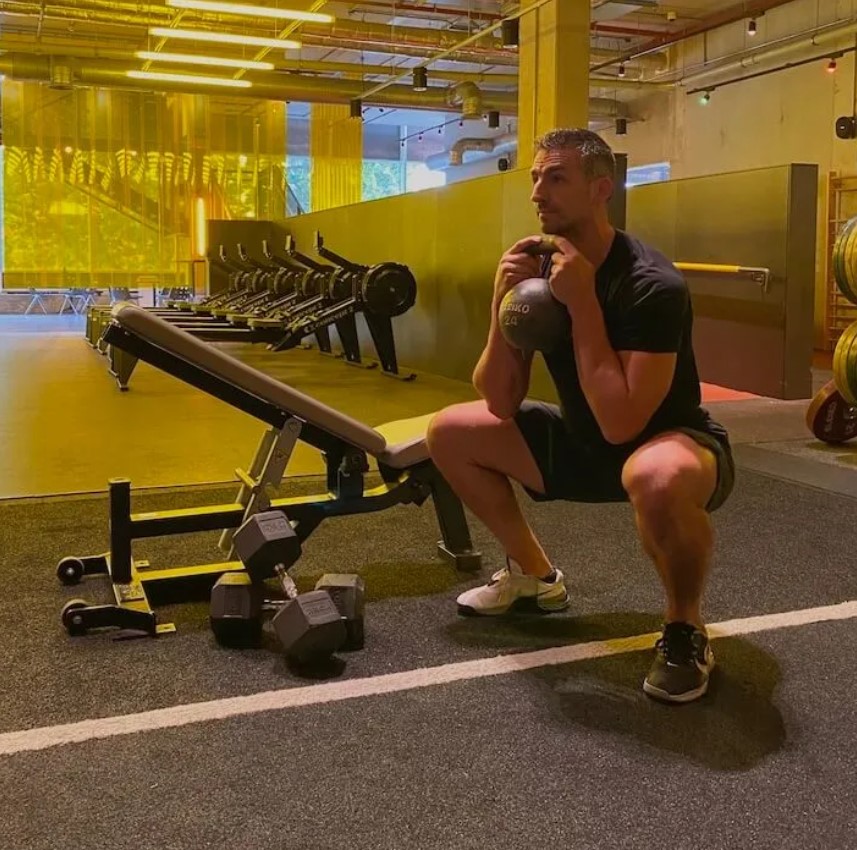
[(509, 589)]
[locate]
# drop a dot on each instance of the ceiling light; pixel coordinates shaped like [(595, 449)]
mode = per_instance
[(195, 59), (253, 11), (189, 78), (420, 79), (224, 38), (510, 33)]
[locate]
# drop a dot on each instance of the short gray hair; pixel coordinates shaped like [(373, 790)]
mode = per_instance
[(595, 154)]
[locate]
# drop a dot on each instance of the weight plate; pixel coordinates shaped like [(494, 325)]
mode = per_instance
[(850, 369), (837, 355), (845, 366), (848, 263), (841, 357), (389, 289), (830, 417), (840, 250), (844, 257), (838, 246)]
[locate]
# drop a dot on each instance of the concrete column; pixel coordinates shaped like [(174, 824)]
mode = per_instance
[(553, 71)]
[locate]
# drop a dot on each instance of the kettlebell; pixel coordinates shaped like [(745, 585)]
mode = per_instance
[(531, 319)]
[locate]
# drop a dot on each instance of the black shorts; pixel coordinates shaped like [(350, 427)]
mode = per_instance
[(576, 472)]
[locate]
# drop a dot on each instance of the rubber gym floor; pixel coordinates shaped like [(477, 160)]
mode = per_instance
[(443, 732)]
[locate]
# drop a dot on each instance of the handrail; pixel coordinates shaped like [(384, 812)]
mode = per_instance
[(759, 274)]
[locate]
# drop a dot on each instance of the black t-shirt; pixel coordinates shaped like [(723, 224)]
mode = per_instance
[(646, 306)]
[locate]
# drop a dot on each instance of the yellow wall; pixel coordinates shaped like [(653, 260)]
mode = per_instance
[(772, 120), (452, 239)]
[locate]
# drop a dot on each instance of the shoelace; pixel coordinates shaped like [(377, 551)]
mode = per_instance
[(501, 577), (676, 644)]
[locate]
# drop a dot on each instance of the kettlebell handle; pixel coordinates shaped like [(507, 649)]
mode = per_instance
[(546, 247)]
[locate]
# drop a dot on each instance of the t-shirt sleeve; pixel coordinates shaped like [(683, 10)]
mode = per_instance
[(655, 316)]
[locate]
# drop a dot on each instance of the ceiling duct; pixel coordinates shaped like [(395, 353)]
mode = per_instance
[(468, 97), (599, 108), (20, 66), (499, 145)]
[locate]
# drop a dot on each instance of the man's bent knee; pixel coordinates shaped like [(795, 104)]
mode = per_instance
[(453, 428), (669, 475)]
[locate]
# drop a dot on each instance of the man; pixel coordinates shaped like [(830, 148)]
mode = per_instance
[(629, 425)]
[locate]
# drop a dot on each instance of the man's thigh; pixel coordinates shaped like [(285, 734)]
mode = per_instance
[(571, 471), (470, 433)]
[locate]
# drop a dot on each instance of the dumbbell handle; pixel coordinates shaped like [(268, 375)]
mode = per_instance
[(286, 581)]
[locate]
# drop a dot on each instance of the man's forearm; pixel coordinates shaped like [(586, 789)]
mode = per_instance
[(599, 370), (502, 373)]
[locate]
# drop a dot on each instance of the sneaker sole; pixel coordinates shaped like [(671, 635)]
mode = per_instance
[(524, 605), (687, 696)]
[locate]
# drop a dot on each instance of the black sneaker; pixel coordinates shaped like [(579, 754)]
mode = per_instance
[(683, 662)]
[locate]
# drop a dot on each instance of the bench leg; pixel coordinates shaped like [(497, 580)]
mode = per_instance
[(121, 366), (456, 545)]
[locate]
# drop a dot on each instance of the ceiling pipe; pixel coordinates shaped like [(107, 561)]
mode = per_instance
[(17, 66), (428, 9), (399, 48), (455, 155), (358, 70), (165, 12), (625, 83), (93, 49), (23, 67), (807, 39), (467, 97), (126, 52), (119, 14), (342, 34), (608, 30), (736, 12), (114, 11)]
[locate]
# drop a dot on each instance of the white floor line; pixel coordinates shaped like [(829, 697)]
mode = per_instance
[(181, 715)]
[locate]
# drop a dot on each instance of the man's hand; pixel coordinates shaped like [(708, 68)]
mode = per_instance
[(516, 266), (572, 275)]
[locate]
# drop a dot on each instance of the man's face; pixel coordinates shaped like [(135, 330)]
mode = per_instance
[(565, 199)]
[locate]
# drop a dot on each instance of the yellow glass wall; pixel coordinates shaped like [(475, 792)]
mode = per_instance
[(103, 187), (336, 149)]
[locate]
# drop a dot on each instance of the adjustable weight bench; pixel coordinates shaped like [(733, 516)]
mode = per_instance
[(399, 449)]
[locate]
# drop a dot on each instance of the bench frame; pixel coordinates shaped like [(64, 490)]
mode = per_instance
[(346, 495)]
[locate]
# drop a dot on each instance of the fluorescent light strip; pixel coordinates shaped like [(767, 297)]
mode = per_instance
[(193, 59), (189, 78), (252, 11), (224, 38)]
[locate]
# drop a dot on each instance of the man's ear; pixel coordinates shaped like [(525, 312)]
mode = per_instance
[(604, 189)]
